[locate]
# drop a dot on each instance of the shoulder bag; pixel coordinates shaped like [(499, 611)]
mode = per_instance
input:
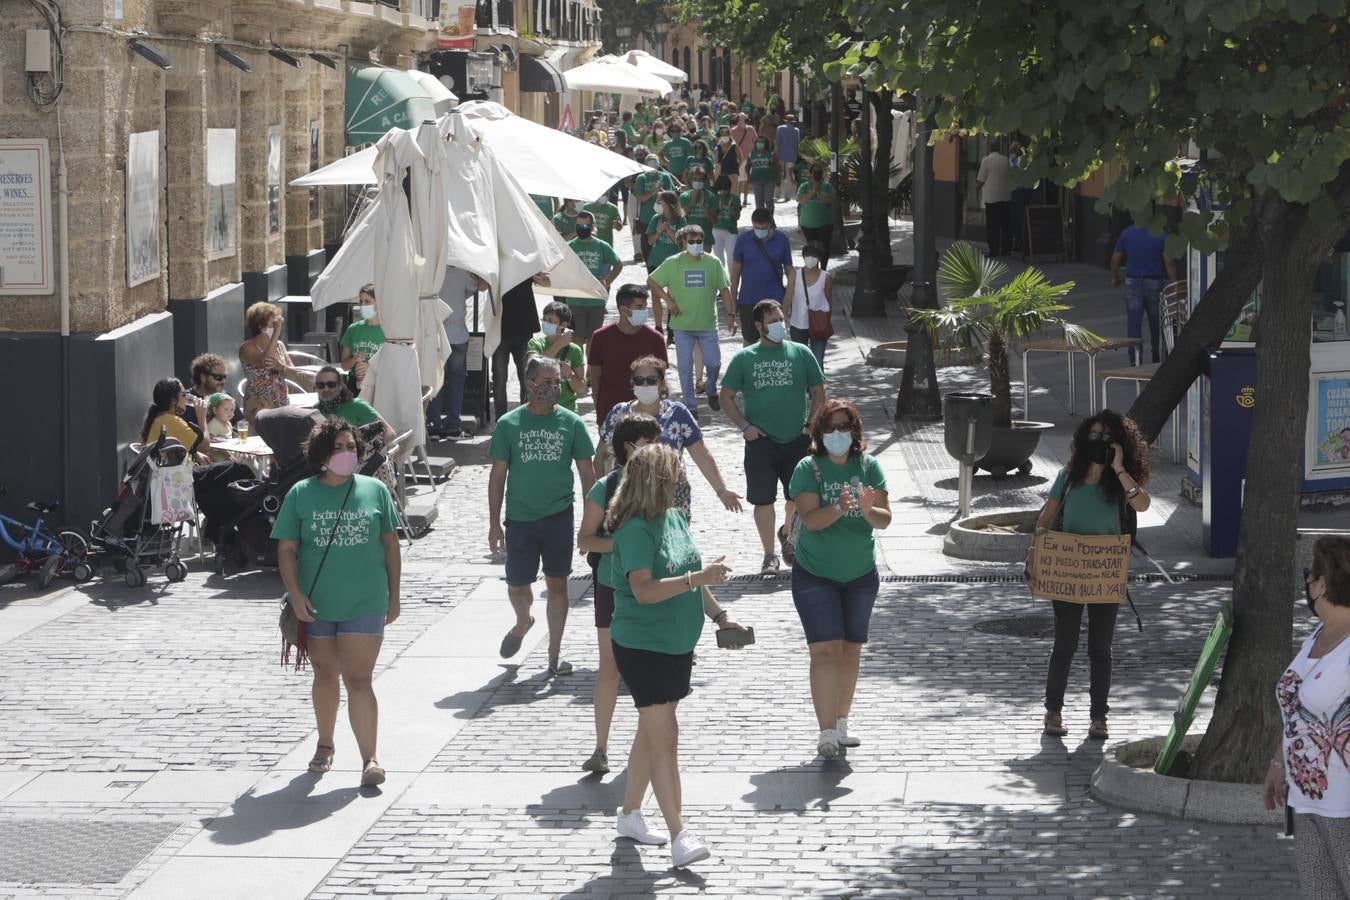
[(292, 629), (819, 322)]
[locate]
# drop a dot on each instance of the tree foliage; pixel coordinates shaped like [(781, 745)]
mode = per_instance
[(778, 34), (639, 16)]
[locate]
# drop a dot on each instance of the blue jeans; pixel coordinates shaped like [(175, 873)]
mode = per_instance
[(1141, 296), (817, 345), (448, 404), (834, 610), (684, 356)]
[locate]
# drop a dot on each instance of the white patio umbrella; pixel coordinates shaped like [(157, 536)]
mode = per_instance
[(441, 96), (393, 382), (648, 63), (615, 78), (431, 220)]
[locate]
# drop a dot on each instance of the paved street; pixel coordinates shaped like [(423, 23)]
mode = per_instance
[(154, 748)]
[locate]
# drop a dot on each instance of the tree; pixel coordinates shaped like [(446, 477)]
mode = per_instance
[(640, 17), (1260, 84)]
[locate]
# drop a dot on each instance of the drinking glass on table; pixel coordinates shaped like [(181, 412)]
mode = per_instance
[(242, 429)]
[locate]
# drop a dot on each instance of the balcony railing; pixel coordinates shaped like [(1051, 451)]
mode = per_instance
[(496, 14)]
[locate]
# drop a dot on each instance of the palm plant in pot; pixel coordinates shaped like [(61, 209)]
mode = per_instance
[(985, 314)]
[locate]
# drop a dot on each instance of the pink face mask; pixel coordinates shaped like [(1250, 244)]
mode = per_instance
[(344, 463)]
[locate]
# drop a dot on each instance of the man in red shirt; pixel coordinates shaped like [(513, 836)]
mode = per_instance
[(613, 348)]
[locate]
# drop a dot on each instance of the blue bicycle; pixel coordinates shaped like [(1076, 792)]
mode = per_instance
[(64, 552)]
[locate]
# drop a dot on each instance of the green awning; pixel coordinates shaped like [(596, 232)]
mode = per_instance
[(380, 98)]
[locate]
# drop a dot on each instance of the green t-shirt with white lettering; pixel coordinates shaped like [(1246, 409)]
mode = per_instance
[(665, 546), (728, 212), (775, 380), (847, 549), (599, 258), (606, 216), (564, 223), (545, 205), (363, 338), (700, 215), (652, 182), (354, 412), (762, 166), (677, 152), (539, 451), (571, 354), (695, 284), (1088, 511), (353, 581)]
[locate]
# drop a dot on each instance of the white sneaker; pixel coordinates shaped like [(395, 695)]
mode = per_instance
[(687, 849), (845, 739), (827, 745), (634, 825)]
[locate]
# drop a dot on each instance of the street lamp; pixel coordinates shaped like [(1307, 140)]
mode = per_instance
[(662, 28), (919, 398)]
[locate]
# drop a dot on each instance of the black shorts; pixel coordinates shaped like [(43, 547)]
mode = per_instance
[(749, 330), (654, 678), (604, 605), (769, 464)]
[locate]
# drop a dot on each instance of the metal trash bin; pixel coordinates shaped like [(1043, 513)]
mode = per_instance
[(968, 430)]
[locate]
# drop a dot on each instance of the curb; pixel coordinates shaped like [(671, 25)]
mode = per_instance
[(1141, 790)]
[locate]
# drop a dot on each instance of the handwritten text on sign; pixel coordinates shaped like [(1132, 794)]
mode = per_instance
[(1081, 568)]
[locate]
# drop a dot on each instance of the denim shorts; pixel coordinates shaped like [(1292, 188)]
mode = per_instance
[(372, 624), (528, 543), (834, 610)]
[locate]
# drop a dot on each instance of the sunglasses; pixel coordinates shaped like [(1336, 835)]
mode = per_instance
[(325, 385), (836, 427), (646, 379)]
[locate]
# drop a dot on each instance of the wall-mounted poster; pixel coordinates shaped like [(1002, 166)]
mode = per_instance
[(142, 207), (25, 217), (221, 210), (313, 166), (1331, 422), (274, 180)]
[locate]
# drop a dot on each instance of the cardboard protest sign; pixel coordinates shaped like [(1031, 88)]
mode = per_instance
[(1080, 568)]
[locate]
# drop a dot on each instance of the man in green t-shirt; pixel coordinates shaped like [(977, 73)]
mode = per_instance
[(565, 221), (599, 258), (545, 205), (815, 208), (558, 342), (605, 215), (675, 152), (336, 402), (774, 377), (648, 185), (533, 450), (689, 284)]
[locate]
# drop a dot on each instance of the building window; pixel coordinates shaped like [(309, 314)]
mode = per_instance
[(688, 70)]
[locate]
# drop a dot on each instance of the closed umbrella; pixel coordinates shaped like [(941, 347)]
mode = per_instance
[(430, 219)]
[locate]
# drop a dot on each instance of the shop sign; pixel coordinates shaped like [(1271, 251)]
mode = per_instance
[(142, 207), (1331, 422), (25, 217)]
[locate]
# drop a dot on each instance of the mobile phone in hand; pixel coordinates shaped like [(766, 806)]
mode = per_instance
[(728, 638)]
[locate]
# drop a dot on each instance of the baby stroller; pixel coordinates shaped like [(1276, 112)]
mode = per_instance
[(125, 530)]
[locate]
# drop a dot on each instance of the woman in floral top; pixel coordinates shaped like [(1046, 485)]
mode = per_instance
[(679, 429), (1311, 772)]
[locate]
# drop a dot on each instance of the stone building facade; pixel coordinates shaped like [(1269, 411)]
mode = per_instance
[(125, 333)]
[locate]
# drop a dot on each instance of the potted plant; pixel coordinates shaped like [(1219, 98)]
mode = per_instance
[(987, 312)]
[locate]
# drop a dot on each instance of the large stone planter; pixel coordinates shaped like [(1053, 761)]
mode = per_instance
[(1013, 448), (1126, 779), (890, 355), (999, 537)]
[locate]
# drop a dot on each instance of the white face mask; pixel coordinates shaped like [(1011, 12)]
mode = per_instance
[(366, 312), (810, 262), (647, 394), (267, 332)]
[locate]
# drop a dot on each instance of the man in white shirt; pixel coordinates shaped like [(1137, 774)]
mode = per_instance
[(995, 183)]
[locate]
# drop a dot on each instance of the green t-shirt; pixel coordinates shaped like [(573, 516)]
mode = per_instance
[(724, 118), (728, 212), (665, 546), (652, 182), (355, 412), (1088, 511), (775, 380), (762, 167), (571, 354), (606, 216), (545, 205), (664, 246), (630, 129), (700, 215), (598, 257), (677, 152), (706, 164), (539, 451), (845, 550), (695, 284), (597, 496), (564, 223), (815, 213), (747, 106), (353, 581), (363, 338)]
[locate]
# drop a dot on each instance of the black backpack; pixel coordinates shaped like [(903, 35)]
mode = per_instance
[(611, 485)]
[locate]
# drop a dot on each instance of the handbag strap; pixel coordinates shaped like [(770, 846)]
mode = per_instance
[(331, 536), (767, 258)]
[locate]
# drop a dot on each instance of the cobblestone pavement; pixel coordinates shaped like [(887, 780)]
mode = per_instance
[(162, 711)]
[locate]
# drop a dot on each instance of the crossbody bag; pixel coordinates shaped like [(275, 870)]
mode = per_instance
[(292, 629)]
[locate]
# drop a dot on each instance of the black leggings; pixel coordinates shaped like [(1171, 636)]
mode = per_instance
[(1101, 628), (509, 350)]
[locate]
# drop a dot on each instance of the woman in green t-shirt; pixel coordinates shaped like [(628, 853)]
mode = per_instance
[(1095, 494), (660, 598), (338, 555), (632, 432), (841, 498), (763, 173), (726, 224), (663, 231)]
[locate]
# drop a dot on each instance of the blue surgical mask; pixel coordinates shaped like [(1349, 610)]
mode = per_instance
[(775, 331), (761, 233), (550, 329), (638, 316), (837, 443), (695, 250)]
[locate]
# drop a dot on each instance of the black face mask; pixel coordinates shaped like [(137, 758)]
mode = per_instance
[(1307, 592), (583, 231), (1096, 451)]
